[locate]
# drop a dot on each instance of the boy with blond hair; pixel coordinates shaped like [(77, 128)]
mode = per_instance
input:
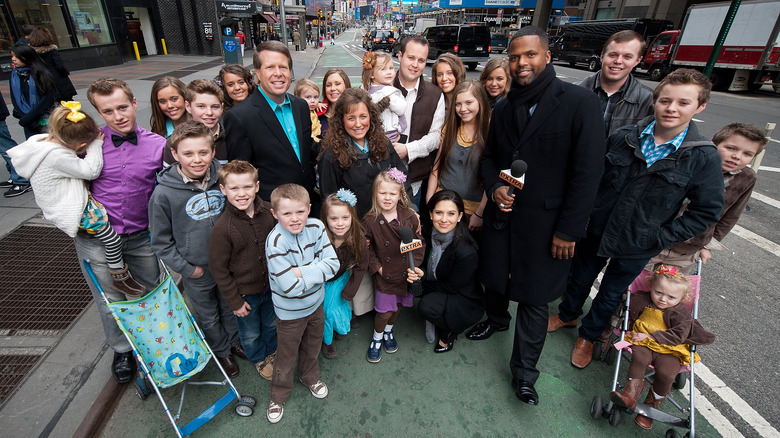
[(738, 144), (300, 260), (237, 262), (307, 90), (650, 169), (184, 207)]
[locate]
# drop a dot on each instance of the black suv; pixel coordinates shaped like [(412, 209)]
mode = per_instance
[(380, 39), (470, 42)]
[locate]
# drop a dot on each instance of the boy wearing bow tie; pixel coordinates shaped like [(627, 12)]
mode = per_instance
[(132, 156)]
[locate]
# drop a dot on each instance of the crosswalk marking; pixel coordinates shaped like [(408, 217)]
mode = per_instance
[(757, 240), (765, 199)]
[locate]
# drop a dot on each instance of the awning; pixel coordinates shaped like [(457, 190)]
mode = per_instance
[(269, 18)]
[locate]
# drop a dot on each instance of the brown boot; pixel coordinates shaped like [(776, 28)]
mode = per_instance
[(124, 282), (646, 422), (630, 394), (329, 351)]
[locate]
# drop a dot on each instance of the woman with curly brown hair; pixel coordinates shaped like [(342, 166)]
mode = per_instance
[(355, 149)]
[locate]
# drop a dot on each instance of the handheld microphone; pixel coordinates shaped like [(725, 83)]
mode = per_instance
[(409, 244), (516, 178)]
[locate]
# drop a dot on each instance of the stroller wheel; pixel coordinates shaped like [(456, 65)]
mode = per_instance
[(671, 433), (249, 399), (679, 381), (244, 409), (614, 417), (610, 355), (598, 348), (596, 408), (139, 389)]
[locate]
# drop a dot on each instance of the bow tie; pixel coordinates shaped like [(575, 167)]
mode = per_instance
[(118, 139)]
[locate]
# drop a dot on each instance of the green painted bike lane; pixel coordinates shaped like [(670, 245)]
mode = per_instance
[(413, 392), (337, 56)]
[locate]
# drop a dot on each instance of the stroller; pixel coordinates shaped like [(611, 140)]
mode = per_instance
[(612, 412), (170, 348)]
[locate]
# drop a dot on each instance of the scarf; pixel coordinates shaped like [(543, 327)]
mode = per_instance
[(26, 101), (522, 98), (439, 242)]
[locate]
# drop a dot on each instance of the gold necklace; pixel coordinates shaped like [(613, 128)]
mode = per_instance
[(462, 139)]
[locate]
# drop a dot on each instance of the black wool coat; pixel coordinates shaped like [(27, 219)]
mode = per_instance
[(563, 144)]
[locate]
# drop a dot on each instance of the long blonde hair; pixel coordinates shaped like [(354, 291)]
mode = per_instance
[(403, 200)]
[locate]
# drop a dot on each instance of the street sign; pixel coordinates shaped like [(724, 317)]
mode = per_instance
[(208, 30), (500, 13), (228, 31), (230, 46)]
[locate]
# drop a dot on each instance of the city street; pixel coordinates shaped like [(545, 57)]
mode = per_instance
[(415, 392)]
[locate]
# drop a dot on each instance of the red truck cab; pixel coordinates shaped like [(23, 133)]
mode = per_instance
[(656, 60)]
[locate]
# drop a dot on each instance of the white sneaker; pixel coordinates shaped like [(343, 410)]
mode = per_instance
[(318, 389), (274, 413)]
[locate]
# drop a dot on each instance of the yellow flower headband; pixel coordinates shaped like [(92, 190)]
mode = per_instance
[(75, 115), (369, 60)]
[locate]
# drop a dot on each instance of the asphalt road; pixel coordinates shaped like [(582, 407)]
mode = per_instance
[(739, 302)]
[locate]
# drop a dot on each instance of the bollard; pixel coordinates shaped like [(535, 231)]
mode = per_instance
[(756, 163), (165, 49), (137, 55)]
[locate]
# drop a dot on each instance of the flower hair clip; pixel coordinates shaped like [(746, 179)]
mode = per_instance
[(396, 175), (369, 60), (75, 115), (346, 195), (668, 270)]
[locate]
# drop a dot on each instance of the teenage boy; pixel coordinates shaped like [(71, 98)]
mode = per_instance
[(132, 156), (650, 169), (738, 144), (204, 103), (237, 262), (300, 260), (624, 100), (184, 207)]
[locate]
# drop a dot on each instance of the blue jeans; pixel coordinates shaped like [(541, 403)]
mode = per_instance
[(6, 142), (585, 268), (257, 330), (143, 266)]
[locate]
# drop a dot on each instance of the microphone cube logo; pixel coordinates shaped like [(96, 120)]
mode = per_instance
[(517, 183)]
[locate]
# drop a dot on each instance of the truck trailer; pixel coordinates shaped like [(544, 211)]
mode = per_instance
[(750, 56)]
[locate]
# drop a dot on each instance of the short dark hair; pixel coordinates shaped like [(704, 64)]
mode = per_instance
[(625, 36), (190, 129), (106, 87), (27, 29), (271, 46), (750, 132), (236, 167), (533, 31), (419, 39), (686, 76)]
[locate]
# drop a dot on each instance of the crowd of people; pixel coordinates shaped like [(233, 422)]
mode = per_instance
[(284, 214)]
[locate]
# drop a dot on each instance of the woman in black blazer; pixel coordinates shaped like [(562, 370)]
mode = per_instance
[(452, 298)]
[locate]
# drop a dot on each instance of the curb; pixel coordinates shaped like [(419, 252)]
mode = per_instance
[(101, 410)]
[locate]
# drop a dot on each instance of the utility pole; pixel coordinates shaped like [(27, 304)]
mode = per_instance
[(724, 31), (283, 22)]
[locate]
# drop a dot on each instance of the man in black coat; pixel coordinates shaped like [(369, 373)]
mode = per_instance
[(272, 129), (556, 128)]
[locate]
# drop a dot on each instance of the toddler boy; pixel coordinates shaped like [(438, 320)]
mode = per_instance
[(300, 260), (237, 262), (184, 207), (307, 90), (650, 169), (737, 144)]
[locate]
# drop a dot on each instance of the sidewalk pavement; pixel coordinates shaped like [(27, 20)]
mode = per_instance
[(414, 392), (58, 394)]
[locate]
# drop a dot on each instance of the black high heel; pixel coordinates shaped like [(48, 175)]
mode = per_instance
[(439, 349)]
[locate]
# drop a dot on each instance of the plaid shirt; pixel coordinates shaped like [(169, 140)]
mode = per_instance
[(654, 152)]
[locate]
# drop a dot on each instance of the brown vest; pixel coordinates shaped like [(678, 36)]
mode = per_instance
[(422, 116)]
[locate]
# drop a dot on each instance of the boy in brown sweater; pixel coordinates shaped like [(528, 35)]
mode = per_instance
[(237, 262)]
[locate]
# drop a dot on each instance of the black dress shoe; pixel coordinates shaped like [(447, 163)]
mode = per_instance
[(229, 365), (526, 392), (439, 349), (238, 350), (484, 330), (123, 367)]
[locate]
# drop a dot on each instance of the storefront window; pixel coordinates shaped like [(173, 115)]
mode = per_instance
[(89, 22), (47, 13), (7, 38)]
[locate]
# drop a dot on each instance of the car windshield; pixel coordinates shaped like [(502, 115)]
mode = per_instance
[(384, 34)]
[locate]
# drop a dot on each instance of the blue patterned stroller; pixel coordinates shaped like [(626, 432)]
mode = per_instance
[(170, 348)]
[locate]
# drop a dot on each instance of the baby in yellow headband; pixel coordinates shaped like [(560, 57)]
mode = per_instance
[(53, 162)]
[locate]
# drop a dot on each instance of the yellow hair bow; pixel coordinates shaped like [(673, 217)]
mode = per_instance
[(75, 115)]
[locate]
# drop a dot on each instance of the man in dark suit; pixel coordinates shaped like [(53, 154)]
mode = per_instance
[(272, 129), (556, 128)]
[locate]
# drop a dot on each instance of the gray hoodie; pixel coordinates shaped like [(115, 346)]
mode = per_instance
[(181, 217)]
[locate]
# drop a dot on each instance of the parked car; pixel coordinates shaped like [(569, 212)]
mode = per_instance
[(498, 42), (396, 47), (470, 42), (380, 39)]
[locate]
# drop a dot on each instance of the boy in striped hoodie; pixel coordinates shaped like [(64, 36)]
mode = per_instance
[(300, 260)]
